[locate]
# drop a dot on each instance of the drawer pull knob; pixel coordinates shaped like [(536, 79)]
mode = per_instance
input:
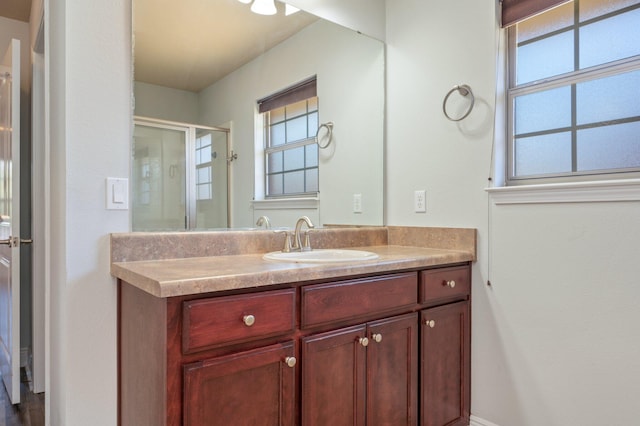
[(248, 320), (377, 337), (451, 283), (290, 361), (363, 341), (430, 323)]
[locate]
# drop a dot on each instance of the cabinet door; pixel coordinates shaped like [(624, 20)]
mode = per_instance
[(256, 387), (446, 363), (392, 365), (333, 378)]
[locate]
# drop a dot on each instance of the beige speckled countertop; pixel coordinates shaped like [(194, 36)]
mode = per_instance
[(164, 274)]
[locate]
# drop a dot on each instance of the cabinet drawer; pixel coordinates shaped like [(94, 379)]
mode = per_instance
[(214, 322), (444, 284), (362, 298)]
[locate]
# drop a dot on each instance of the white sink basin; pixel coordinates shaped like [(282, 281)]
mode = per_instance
[(321, 256)]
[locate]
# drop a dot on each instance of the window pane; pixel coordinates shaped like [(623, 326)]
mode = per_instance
[(297, 129), (274, 184), (311, 152), (276, 115), (203, 155), (545, 58), (313, 125), (543, 154), (609, 147), (545, 23), (294, 158), (204, 192), (297, 109), (608, 98), (594, 8), (294, 182), (203, 175), (312, 180), (617, 37), (277, 135), (203, 139), (274, 162), (546, 110)]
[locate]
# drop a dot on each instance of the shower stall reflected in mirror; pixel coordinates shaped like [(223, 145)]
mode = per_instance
[(180, 176)]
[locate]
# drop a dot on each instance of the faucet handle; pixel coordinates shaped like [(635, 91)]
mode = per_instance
[(306, 242), (287, 240)]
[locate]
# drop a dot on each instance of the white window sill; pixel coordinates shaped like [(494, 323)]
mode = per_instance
[(574, 192), (287, 203)]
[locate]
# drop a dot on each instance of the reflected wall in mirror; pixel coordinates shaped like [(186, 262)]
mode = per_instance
[(208, 62)]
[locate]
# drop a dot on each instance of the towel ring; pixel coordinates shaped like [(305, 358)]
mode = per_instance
[(465, 91), (329, 126)]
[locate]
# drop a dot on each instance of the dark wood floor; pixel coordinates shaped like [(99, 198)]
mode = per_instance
[(30, 412)]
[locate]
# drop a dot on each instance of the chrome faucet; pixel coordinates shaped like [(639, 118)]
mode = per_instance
[(297, 241), (264, 220)]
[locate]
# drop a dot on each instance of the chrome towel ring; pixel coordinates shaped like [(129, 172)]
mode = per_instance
[(465, 91), (329, 126)]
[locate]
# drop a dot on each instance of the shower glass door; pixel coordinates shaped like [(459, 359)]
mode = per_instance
[(180, 177), (159, 180), (211, 179)]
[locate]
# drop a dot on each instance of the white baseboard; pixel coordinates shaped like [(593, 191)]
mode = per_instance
[(477, 421)]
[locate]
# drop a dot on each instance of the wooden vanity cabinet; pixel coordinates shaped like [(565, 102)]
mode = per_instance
[(256, 387), (445, 332), (362, 375), (344, 352)]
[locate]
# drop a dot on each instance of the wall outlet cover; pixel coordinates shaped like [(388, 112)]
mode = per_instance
[(420, 201)]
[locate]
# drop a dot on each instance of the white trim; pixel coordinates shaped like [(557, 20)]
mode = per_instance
[(287, 203), (477, 421), (574, 192)]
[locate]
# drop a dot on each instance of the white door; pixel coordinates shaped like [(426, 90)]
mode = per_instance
[(9, 220)]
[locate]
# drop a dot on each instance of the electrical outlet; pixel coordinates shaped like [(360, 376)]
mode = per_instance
[(420, 201), (357, 203)]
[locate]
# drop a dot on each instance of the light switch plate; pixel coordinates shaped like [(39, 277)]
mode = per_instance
[(117, 194)]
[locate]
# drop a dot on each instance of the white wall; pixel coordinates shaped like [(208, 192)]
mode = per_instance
[(350, 71), (364, 16), (165, 103), (89, 79), (554, 337)]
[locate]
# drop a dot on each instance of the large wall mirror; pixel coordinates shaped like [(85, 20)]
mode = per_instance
[(200, 68)]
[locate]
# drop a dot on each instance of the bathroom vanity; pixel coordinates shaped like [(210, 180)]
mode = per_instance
[(235, 339)]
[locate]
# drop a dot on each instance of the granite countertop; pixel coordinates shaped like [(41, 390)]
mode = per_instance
[(167, 264), (194, 275)]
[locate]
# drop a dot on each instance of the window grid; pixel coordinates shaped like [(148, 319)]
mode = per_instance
[(204, 172), (276, 178), (570, 79)]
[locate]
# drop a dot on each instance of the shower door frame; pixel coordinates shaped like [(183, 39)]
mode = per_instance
[(190, 149)]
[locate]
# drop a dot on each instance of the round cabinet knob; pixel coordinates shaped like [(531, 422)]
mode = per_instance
[(290, 361), (248, 320), (364, 341), (430, 323), (451, 283), (377, 337)]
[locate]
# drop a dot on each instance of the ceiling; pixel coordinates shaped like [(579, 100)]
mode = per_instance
[(190, 44), (16, 9)]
